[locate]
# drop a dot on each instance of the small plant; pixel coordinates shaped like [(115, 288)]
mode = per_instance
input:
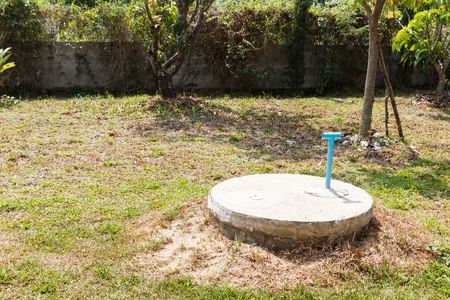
[(235, 138), (159, 152), (442, 252), (156, 245), (110, 229), (111, 163), (8, 101), (103, 272), (153, 186), (217, 176), (4, 64)]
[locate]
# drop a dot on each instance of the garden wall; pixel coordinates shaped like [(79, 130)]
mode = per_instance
[(123, 68)]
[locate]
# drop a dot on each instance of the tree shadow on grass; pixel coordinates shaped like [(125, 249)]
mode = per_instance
[(274, 131)]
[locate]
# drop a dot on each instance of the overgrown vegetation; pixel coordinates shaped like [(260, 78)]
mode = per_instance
[(21, 28), (297, 42), (232, 39)]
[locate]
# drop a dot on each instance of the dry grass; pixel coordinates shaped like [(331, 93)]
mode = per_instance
[(101, 197), (198, 249)]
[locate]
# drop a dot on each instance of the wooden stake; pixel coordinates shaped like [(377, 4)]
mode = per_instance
[(389, 91)]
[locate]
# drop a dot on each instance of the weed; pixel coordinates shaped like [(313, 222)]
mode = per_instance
[(264, 169), (159, 152), (103, 272), (156, 245), (111, 163), (217, 176), (110, 229), (441, 251), (435, 226), (235, 138)]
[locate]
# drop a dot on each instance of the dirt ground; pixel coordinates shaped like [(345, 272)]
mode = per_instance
[(191, 245)]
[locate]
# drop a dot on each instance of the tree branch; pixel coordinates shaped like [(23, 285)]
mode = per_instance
[(194, 13), (175, 66), (436, 66), (378, 9), (447, 60), (367, 8), (171, 60), (200, 18), (149, 15), (183, 9)]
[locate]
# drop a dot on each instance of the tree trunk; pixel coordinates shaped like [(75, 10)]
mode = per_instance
[(441, 70), (371, 76), (165, 86), (386, 113), (372, 66), (441, 85)]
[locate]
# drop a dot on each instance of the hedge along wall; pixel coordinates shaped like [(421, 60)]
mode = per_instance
[(239, 50)]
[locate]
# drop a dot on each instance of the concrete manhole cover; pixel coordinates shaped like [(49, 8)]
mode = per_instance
[(282, 210)]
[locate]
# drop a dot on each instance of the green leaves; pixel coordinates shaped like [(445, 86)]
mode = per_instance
[(420, 53), (441, 252), (4, 56), (425, 39), (19, 21), (4, 65)]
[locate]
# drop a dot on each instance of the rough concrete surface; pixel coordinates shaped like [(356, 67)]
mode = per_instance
[(65, 65), (282, 210)]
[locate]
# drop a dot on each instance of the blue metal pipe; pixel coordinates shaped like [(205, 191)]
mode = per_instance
[(331, 136)]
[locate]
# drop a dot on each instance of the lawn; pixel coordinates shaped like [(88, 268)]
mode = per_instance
[(105, 197)]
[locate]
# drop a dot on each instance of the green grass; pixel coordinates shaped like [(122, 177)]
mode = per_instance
[(78, 175)]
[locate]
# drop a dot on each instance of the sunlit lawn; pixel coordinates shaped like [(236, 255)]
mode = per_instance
[(79, 175)]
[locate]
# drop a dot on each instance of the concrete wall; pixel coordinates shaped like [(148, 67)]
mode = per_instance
[(68, 65), (90, 65), (93, 65)]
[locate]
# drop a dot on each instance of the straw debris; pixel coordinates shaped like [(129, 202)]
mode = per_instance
[(197, 249)]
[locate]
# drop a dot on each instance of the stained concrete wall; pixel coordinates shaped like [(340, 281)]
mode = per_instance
[(90, 65), (348, 70), (93, 65), (68, 65)]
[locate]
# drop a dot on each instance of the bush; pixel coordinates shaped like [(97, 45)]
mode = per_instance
[(20, 21)]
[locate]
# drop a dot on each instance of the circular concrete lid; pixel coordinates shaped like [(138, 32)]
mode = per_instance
[(285, 209)]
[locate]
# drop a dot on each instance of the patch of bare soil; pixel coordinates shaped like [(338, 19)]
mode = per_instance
[(192, 246)]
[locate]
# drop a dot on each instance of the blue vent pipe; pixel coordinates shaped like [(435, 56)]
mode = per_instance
[(331, 136)]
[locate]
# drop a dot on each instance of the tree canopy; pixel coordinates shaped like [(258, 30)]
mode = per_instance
[(426, 40), (174, 25)]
